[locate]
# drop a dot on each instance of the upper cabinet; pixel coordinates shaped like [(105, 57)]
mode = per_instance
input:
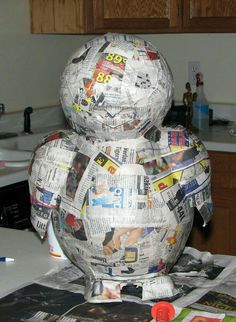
[(137, 16), (59, 16), (132, 16), (209, 16)]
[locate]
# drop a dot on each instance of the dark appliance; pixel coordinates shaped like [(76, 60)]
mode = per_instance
[(15, 206), (178, 115)]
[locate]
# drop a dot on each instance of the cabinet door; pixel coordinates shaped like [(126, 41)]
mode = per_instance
[(219, 235), (136, 16), (56, 16), (209, 16)]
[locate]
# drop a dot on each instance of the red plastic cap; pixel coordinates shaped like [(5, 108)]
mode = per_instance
[(70, 220), (163, 311)]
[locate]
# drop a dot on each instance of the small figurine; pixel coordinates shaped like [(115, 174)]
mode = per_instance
[(188, 98)]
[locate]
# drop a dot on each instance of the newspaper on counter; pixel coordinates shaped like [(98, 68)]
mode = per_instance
[(202, 280), (119, 188)]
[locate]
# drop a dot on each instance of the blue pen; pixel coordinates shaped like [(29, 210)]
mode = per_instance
[(6, 259)]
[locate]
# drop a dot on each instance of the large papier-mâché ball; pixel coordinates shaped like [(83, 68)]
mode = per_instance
[(116, 85)]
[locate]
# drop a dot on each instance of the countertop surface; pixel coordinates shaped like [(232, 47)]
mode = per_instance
[(32, 261), (218, 139), (31, 255), (10, 176)]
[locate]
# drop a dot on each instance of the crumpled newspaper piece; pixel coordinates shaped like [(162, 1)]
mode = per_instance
[(119, 188)]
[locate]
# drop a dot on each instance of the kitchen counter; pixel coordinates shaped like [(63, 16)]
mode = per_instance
[(10, 176), (32, 259), (218, 139)]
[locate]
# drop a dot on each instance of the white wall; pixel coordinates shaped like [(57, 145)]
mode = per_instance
[(217, 56), (30, 65)]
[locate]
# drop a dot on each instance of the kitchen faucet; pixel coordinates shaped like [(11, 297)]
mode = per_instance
[(27, 124), (2, 109)]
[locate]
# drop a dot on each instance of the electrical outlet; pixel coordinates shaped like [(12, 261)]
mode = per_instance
[(193, 68)]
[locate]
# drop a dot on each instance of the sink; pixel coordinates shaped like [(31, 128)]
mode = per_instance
[(16, 151), (7, 135), (14, 155), (16, 147), (22, 142)]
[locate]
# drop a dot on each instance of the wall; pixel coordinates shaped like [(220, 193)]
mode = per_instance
[(30, 65), (217, 56)]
